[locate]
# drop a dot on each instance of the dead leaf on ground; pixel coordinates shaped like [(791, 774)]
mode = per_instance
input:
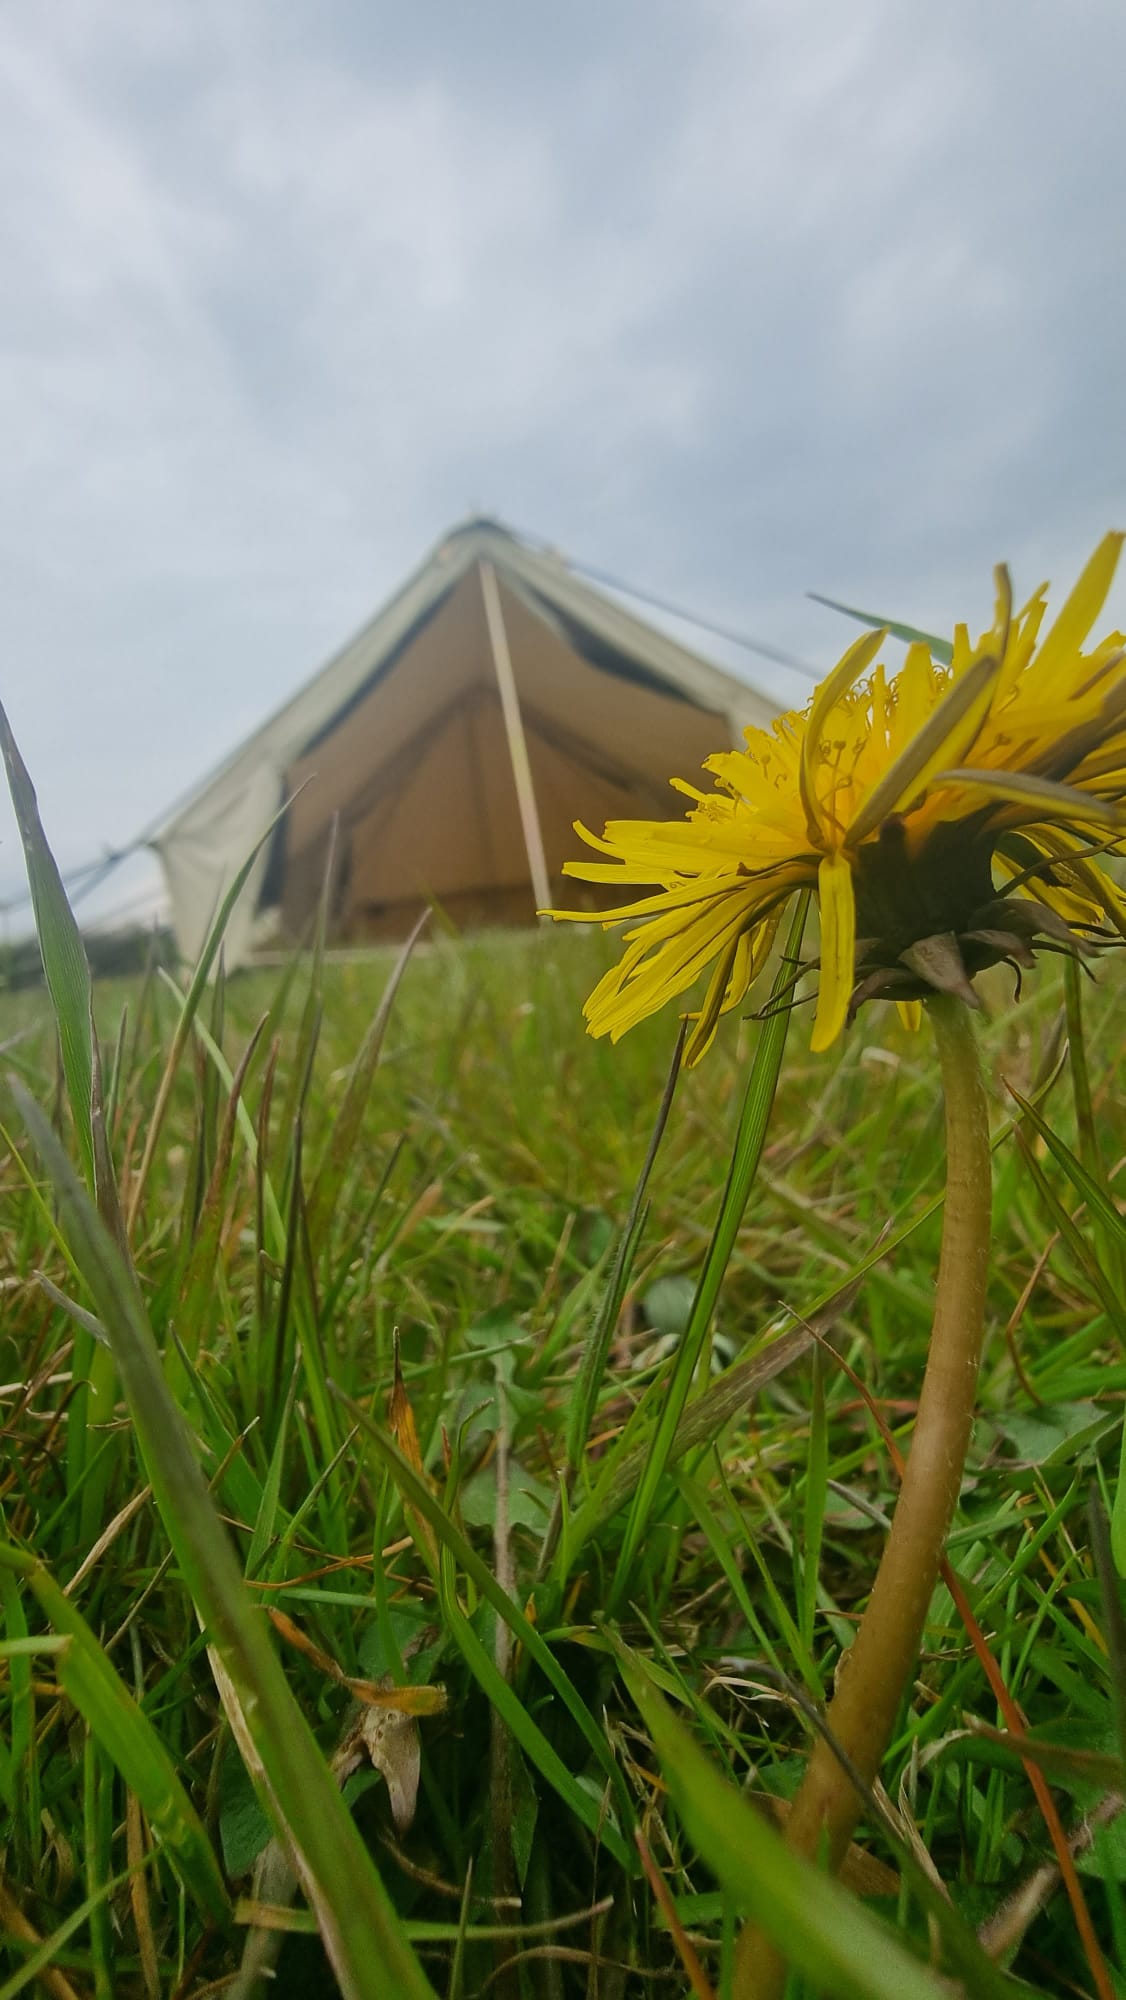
[(390, 1740)]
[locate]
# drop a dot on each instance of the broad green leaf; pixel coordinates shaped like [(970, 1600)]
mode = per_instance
[(243, 1826), (1054, 1434)]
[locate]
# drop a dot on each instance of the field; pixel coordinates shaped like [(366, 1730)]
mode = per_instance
[(609, 1670)]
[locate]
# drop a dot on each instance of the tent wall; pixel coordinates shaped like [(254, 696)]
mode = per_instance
[(402, 740), (207, 853), (419, 773)]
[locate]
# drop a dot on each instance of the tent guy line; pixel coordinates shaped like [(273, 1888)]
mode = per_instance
[(764, 651)]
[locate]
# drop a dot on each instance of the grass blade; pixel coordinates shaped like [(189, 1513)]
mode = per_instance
[(330, 1174), (416, 1494), (517, 1718), (941, 649), (1100, 1203), (38, 1963), (128, 1737), (823, 1930), (189, 1007), (1070, 1233), (816, 1493), (1112, 1244), (60, 942), (753, 1122), (68, 983), (593, 1365), (364, 1939)]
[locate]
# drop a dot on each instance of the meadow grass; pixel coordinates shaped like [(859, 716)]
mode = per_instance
[(609, 1663)]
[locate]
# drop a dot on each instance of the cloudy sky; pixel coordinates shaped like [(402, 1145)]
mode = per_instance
[(735, 299)]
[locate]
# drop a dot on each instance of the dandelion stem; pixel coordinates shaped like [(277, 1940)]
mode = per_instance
[(879, 1664)]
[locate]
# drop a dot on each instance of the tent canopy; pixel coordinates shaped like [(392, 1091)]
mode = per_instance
[(493, 701)]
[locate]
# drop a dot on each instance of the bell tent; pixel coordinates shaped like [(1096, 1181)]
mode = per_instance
[(494, 700)]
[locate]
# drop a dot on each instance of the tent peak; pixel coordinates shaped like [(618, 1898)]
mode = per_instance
[(483, 538), (478, 537), (476, 524)]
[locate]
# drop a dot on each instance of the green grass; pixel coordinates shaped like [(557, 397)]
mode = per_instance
[(630, 1578)]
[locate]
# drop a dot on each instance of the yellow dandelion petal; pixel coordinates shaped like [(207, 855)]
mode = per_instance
[(836, 684), (600, 842), (918, 687), (1023, 635), (1002, 612), (912, 805), (961, 651), (1089, 887), (1106, 772), (702, 1033), (1024, 789), (677, 923), (679, 898), (1081, 609), (1077, 909), (663, 971), (838, 949), (739, 973), (955, 722), (911, 1014), (878, 699)]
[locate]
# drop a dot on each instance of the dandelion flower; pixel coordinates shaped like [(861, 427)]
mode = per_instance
[(947, 819)]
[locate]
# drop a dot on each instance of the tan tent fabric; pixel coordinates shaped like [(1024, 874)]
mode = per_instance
[(401, 741)]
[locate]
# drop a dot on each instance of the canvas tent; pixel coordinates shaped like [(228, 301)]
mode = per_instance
[(494, 700)]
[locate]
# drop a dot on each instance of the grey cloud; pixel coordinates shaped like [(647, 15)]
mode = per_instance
[(736, 300)]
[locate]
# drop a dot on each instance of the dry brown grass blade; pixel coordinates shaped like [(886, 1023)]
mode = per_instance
[(400, 1700), (1005, 1929), (400, 1418), (18, 1926), (136, 1849), (697, 1978), (106, 1539), (1015, 1723), (1017, 1729)]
